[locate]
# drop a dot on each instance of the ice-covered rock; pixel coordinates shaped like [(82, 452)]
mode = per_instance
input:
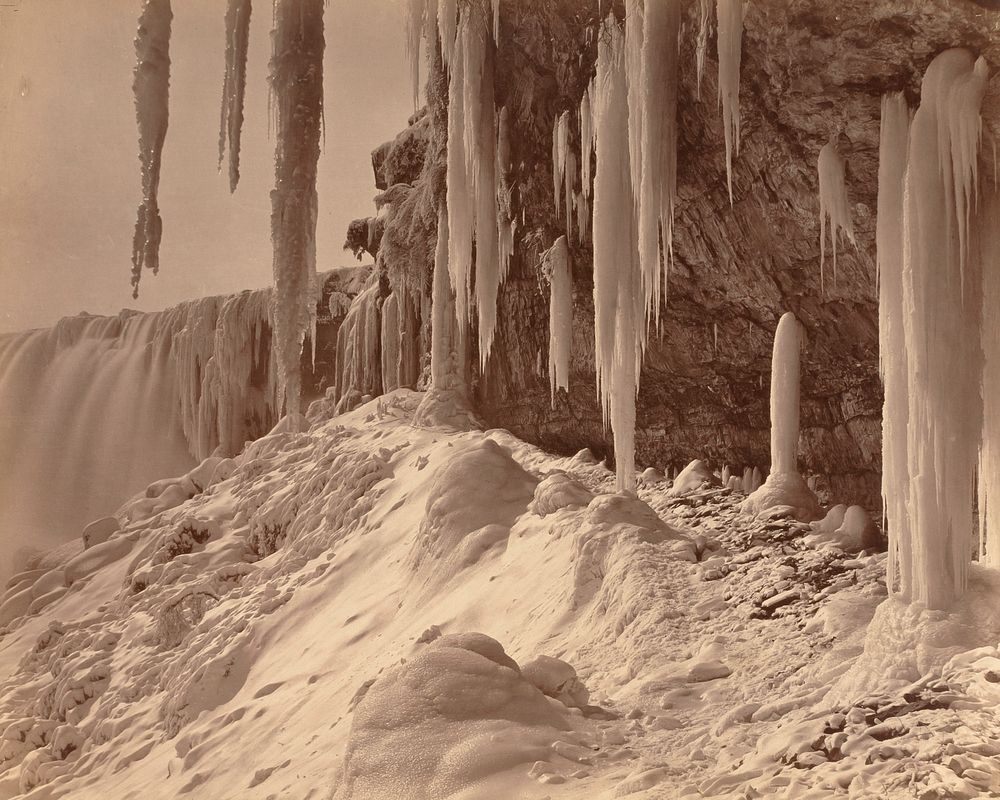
[(555, 678), (693, 477), (558, 490), (100, 530)]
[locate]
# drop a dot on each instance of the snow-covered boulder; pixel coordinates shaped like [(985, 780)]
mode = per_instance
[(99, 531), (558, 490), (850, 529), (693, 477)]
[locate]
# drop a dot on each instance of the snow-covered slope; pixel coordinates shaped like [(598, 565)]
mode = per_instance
[(373, 609)]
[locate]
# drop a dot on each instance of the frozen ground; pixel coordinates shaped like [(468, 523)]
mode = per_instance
[(341, 614)]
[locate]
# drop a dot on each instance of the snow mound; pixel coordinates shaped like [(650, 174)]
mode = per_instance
[(472, 502), (555, 678), (850, 529), (461, 712)]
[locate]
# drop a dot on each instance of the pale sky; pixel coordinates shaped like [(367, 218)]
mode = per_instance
[(69, 169)]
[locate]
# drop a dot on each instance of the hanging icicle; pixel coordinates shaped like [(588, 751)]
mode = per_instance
[(460, 219), (833, 204), (447, 19), (505, 222), (582, 216), (414, 29), (617, 284), (730, 44), (704, 26), (586, 138), (481, 164), (634, 24), (296, 81), (556, 266), (151, 87), (234, 86), (560, 145), (658, 147)]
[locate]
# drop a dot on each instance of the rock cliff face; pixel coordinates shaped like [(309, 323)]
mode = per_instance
[(810, 69)]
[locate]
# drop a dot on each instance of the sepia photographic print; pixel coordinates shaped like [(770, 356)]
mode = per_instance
[(499, 399)]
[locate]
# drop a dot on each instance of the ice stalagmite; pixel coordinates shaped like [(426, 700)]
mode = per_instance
[(460, 219), (893, 139), (234, 86), (784, 484), (658, 145), (729, 14), (833, 203), (617, 285), (704, 24), (942, 295), (297, 86), (151, 86), (556, 261)]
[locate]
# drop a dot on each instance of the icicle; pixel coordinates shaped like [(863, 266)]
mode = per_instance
[(556, 261), (833, 203), (460, 219), (443, 338), (942, 299), (447, 18), (892, 354), (634, 33), (414, 28), (704, 24), (657, 146), (496, 21), (297, 84), (481, 162), (505, 222), (715, 338), (151, 86), (560, 146), (569, 172), (234, 86), (617, 283), (586, 138), (730, 43), (582, 216)]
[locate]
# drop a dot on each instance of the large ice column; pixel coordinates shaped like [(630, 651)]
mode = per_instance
[(833, 203), (560, 314), (989, 471), (730, 45), (618, 295), (234, 86), (359, 360), (414, 29), (784, 484), (658, 146), (151, 86), (942, 293), (893, 139), (297, 86)]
